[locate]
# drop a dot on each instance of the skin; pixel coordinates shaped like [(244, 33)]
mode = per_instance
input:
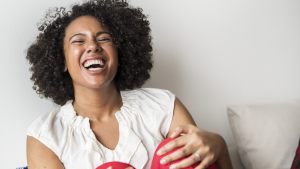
[(97, 98)]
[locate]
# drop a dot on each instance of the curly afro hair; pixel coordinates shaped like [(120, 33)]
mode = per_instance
[(130, 32)]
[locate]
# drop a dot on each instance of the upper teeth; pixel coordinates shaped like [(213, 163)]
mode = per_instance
[(93, 62)]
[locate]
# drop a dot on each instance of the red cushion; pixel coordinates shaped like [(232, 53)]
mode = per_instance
[(114, 165), (156, 159)]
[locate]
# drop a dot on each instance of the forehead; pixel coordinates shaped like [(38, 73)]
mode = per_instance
[(84, 24)]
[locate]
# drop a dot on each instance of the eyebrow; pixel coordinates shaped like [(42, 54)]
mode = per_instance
[(83, 34)]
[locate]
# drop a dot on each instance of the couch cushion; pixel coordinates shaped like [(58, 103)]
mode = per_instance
[(266, 135)]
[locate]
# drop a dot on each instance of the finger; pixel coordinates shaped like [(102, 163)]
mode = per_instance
[(188, 149), (178, 154), (186, 162), (177, 132), (185, 129), (129, 168), (178, 142), (204, 164)]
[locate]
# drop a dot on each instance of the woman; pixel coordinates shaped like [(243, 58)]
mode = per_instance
[(92, 61)]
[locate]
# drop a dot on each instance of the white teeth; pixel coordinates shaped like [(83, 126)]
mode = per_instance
[(95, 68), (93, 62)]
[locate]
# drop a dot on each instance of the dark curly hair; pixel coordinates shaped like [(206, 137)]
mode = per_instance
[(130, 32)]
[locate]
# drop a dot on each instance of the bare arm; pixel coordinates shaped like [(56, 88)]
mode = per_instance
[(181, 117), (212, 147), (41, 157)]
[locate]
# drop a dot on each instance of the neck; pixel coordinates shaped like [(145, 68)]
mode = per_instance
[(97, 104)]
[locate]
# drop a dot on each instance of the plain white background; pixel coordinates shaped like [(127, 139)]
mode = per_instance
[(210, 53)]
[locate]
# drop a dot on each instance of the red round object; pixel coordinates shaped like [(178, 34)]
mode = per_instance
[(156, 158), (114, 165)]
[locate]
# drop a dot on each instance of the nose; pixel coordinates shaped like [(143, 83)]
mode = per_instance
[(93, 47)]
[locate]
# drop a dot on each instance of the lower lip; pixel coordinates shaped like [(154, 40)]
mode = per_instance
[(95, 72)]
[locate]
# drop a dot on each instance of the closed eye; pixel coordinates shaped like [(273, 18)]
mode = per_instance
[(78, 41), (103, 39)]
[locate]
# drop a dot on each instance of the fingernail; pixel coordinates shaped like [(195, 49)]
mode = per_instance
[(173, 166), (163, 161), (158, 152)]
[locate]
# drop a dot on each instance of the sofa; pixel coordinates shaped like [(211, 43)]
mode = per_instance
[(266, 136)]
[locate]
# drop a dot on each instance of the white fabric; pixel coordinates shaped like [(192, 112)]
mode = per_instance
[(266, 135), (144, 121)]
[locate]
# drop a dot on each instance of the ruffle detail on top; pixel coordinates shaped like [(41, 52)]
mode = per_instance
[(134, 105), (129, 145)]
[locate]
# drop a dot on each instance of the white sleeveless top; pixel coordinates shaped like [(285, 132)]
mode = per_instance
[(144, 121)]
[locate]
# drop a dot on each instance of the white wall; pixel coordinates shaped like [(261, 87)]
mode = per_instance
[(209, 53)]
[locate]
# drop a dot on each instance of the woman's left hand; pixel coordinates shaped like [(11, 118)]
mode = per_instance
[(209, 146)]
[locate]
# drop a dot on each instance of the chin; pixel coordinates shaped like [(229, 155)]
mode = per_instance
[(99, 85), (96, 86)]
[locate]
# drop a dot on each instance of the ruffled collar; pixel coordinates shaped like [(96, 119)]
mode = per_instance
[(69, 116), (128, 143)]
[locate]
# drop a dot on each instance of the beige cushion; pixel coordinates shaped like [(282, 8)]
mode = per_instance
[(266, 135)]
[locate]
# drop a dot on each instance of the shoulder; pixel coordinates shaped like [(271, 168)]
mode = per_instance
[(43, 122), (154, 91), (156, 106), (50, 129), (151, 97), (42, 149), (56, 120)]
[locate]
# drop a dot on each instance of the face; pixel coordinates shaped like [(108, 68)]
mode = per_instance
[(91, 57)]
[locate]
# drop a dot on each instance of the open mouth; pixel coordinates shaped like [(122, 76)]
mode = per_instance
[(96, 64)]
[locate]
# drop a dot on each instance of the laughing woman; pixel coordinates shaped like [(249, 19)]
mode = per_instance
[(92, 61)]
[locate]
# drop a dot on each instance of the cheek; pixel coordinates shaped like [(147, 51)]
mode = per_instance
[(112, 51), (77, 52), (73, 57)]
